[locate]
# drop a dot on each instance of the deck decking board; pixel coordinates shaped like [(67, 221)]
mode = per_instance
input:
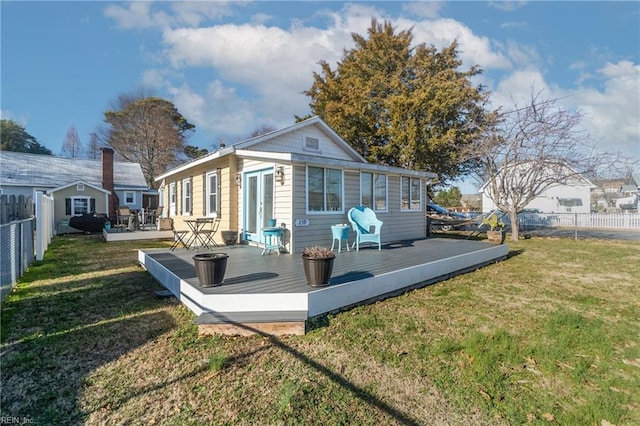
[(269, 293)]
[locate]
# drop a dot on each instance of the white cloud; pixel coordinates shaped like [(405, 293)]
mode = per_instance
[(613, 113), (147, 14), (423, 9), (258, 72)]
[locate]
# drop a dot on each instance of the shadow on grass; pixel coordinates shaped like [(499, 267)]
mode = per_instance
[(54, 339), (358, 392)]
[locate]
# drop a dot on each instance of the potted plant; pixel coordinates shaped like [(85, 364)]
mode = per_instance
[(496, 233), (210, 268), (318, 265)]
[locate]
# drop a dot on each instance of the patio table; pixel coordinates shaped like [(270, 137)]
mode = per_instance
[(196, 227)]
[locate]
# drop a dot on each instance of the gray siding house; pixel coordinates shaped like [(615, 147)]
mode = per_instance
[(77, 185)]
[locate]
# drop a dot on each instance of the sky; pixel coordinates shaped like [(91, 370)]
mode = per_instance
[(234, 67)]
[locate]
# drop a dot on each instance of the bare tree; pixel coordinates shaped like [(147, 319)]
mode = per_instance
[(93, 147), (262, 130), (531, 149), (146, 130), (72, 147)]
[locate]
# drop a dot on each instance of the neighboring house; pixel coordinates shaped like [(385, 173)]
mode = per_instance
[(621, 193), (574, 196), (304, 176), (78, 185)]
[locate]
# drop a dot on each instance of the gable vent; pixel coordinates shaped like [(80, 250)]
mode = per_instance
[(312, 144)]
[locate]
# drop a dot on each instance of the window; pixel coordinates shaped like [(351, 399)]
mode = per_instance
[(172, 199), (129, 197), (411, 193), (312, 144), (212, 193), (80, 187), (186, 197), (324, 190), (373, 191), (76, 206)]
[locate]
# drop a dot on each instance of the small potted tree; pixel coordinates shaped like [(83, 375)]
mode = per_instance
[(496, 233), (318, 265)]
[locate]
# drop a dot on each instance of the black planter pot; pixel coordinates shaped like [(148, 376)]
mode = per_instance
[(318, 271), (210, 268), (230, 237)]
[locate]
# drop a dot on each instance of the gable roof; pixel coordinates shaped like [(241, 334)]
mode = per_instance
[(97, 188), (335, 138), (47, 171)]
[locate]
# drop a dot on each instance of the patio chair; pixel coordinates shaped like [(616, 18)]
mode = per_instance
[(178, 236), (208, 232), (123, 215), (366, 226), (152, 215)]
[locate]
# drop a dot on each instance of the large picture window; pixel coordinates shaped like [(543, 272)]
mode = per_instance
[(373, 191), (324, 190), (411, 193), (211, 193), (186, 197)]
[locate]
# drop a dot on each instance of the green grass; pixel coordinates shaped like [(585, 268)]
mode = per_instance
[(548, 336)]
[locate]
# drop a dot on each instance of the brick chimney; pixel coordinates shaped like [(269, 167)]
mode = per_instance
[(108, 182)]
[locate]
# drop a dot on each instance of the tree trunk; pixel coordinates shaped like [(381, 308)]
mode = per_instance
[(515, 230)]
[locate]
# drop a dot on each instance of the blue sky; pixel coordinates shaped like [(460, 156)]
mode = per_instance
[(232, 67)]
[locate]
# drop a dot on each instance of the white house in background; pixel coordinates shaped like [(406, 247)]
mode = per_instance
[(78, 185), (574, 196)]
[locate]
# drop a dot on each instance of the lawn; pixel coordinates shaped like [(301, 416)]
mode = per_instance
[(549, 336)]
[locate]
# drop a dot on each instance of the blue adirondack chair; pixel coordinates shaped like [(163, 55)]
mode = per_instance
[(366, 226)]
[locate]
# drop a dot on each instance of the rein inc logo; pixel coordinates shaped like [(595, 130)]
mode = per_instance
[(15, 420)]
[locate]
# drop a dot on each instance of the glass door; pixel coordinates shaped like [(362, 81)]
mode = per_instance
[(258, 202)]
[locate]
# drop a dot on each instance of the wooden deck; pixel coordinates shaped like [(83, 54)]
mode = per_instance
[(269, 293)]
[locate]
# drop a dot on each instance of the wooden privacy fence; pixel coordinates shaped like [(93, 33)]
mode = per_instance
[(14, 208), (25, 239)]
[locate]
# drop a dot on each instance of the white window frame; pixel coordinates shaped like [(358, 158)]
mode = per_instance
[(73, 205), (212, 190), (373, 191), (172, 199), (324, 191), (187, 197), (133, 197), (411, 201), (80, 187)]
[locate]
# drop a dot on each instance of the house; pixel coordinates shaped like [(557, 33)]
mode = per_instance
[(305, 177), (77, 185), (572, 196)]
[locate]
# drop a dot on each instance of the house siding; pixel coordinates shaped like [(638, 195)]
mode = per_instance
[(61, 195), (398, 224), (294, 142), (228, 194)]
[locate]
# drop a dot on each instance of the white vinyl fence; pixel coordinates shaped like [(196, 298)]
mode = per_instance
[(17, 249), (620, 221)]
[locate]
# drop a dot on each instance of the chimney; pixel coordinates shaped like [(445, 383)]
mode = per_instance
[(108, 183)]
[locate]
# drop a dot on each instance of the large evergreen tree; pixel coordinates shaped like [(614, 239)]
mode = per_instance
[(14, 137), (400, 105), (149, 131)]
